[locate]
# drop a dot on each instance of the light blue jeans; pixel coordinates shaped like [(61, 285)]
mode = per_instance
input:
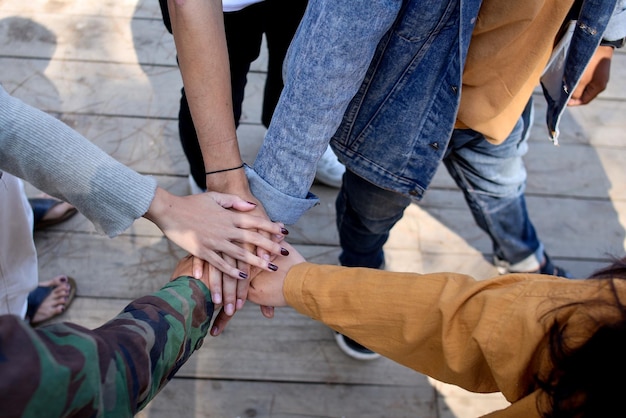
[(492, 178)]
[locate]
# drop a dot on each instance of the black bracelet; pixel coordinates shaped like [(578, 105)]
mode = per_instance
[(226, 169)]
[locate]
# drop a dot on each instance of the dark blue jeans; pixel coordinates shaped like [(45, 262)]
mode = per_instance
[(492, 178)]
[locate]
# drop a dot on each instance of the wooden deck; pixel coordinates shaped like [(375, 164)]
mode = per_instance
[(108, 69)]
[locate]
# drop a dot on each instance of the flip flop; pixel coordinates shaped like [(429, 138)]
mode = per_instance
[(41, 206), (37, 296)]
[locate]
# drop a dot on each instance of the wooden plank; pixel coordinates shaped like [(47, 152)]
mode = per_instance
[(90, 88), (218, 398), (96, 38)]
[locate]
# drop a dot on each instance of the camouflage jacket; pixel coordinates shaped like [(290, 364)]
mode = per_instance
[(63, 369)]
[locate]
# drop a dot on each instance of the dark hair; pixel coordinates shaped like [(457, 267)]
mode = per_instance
[(586, 380)]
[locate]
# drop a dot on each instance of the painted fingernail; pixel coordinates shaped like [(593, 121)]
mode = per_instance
[(284, 231), (272, 267), (63, 279), (243, 275), (284, 251)]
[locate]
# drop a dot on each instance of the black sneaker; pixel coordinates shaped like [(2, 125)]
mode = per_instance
[(354, 349)]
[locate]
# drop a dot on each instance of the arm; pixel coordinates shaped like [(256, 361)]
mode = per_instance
[(113, 370), (597, 73), (58, 160), (198, 29), (484, 336), (324, 68)]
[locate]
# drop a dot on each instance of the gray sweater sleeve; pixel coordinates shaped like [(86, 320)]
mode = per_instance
[(59, 161)]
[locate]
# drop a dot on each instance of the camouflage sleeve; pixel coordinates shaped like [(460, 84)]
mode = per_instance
[(113, 371)]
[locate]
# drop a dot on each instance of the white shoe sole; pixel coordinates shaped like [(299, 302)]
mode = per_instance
[(353, 353)]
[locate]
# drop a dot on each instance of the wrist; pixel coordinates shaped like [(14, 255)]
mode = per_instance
[(158, 206), (228, 181)]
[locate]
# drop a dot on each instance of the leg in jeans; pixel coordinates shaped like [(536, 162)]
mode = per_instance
[(365, 215), (493, 180)]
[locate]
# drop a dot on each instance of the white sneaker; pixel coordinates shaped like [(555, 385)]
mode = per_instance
[(329, 169), (354, 349), (193, 186)]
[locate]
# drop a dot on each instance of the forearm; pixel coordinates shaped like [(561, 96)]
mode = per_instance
[(198, 30), (115, 369), (326, 63), (482, 336), (58, 160)]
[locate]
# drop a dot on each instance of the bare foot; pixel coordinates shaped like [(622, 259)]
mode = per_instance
[(56, 302)]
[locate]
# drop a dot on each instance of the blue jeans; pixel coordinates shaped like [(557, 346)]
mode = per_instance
[(492, 178)]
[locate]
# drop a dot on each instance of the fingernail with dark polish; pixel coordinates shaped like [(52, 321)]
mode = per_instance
[(243, 275), (284, 251), (284, 231), (272, 267)]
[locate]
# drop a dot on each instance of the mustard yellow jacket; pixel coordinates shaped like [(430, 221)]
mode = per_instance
[(484, 336)]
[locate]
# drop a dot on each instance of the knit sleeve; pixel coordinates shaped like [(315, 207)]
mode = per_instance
[(56, 159)]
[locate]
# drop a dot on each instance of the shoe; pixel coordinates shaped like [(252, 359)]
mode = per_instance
[(354, 349), (193, 186), (43, 212), (548, 268), (329, 169), (551, 269)]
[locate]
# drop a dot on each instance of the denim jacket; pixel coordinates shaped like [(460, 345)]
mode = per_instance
[(409, 96)]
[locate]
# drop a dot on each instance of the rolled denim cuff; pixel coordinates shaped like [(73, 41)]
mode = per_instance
[(280, 207)]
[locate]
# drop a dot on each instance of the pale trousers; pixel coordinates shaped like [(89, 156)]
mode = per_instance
[(18, 257)]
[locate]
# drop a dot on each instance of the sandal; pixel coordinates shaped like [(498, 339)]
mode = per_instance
[(38, 296), (42, 207)]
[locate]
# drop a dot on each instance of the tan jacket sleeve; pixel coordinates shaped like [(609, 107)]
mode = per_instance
[(484, 336)]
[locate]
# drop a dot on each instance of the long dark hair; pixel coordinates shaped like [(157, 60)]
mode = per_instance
[(587, 380)]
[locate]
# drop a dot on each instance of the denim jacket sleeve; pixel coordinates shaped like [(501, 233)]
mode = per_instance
[(279, 206), (326, 62)]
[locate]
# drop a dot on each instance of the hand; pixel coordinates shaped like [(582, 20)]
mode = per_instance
[(595, 78), (203, 225), (266, 289), (226, 291), (235, 182), (183, 268)]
